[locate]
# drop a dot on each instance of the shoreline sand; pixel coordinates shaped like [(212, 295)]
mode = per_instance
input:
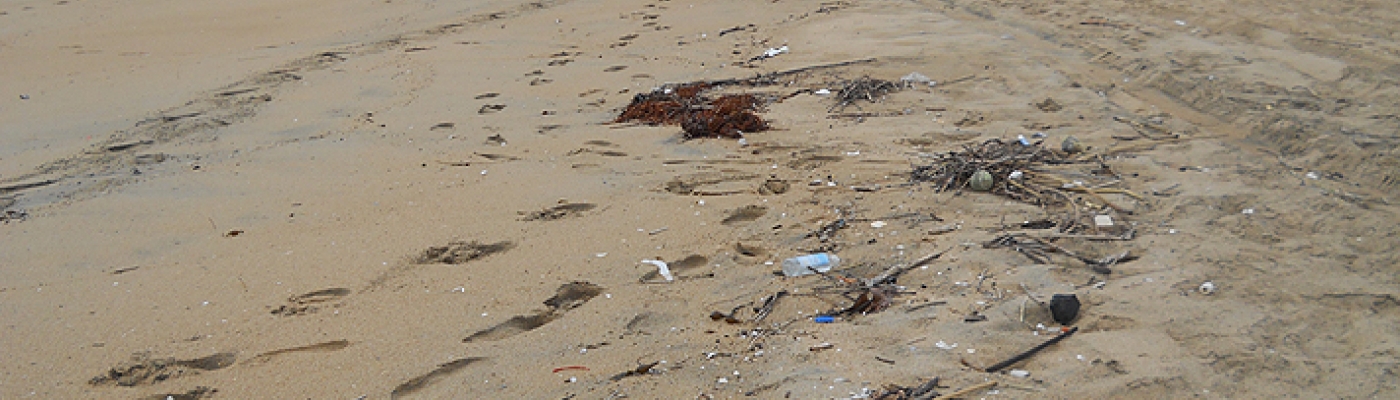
[(423, 200)]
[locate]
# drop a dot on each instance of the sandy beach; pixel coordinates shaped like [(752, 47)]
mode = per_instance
[(420, 199)]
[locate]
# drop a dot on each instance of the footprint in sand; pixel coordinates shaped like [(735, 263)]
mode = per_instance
[(461, 252), (432, 377), (568, 297), (334, 345), (143, 370), (199, 392), (310, 302), (744, 214), (566, 210)]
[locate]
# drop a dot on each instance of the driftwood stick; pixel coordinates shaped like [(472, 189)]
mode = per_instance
[(1023, 356), (966, 391), (773, 75), (894, 272)]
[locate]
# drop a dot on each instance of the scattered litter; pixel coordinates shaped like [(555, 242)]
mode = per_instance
[(1207, 288), (1248, 211), (824, 319), (822, 92), (570, 368), (775, 52), (662, 269), (1022, 140), (805, 265), (878, 224), (1019, 373), (1103, 220), (1064, 308), (915, 78), (945, 346)]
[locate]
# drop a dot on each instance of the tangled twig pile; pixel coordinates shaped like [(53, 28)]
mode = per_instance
[(864, 88), (1010, 163)]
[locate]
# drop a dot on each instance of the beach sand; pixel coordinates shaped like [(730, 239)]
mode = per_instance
[(412, 199)]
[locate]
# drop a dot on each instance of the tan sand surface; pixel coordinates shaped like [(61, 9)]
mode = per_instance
[(422, 199)]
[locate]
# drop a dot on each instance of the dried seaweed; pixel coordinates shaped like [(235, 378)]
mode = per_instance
[(728, 116)]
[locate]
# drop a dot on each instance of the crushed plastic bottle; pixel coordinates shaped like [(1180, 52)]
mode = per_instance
[(803, 265)]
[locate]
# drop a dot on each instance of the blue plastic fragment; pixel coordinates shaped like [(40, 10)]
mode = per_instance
[(824, 319)]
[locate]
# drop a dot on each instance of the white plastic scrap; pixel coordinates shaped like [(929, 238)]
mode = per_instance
[(915, 77), (822, 92), (945, 346), (1207, 288), (1103, 220), (662, 269), (1019, 373), (770, 53)]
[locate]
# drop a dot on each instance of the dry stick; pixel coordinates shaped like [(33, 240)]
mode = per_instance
[(1023, 356), (760, 78), (1091, 192), (895, 271), (925, 390), (967, 391), (767, 306)]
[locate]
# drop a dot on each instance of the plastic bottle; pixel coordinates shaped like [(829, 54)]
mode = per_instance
[(799, 266)]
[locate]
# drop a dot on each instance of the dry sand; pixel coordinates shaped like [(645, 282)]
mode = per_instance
[(327, 199)]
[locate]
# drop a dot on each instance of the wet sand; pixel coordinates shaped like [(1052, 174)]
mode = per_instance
[(419, 200)]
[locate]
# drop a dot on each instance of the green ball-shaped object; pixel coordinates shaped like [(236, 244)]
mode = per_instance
[(981, 181)]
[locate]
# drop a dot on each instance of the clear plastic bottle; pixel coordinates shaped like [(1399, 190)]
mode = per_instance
[(803, 265)]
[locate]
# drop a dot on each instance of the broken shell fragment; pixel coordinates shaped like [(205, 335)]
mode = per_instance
[(981, 181)]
